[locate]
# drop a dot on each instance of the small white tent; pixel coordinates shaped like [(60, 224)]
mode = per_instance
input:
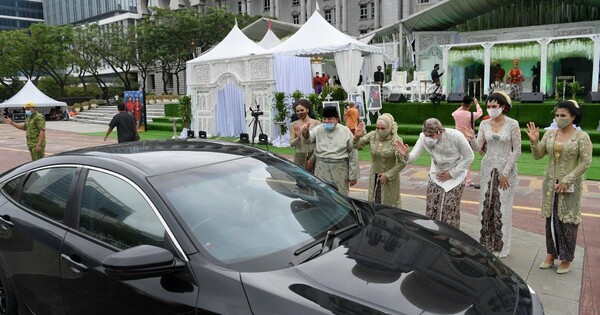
[(270, 40), (30, 93)]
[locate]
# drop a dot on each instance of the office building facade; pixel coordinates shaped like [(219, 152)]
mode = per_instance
[(17, 14), (77, 12)]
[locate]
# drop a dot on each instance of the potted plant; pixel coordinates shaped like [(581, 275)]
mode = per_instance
[(575, 87), (296, 95), (93, 103), (185, 110), (77, 107), (558, 89), (282, 113), (317, 106), (151, 99), (174, 98), (85, 105)]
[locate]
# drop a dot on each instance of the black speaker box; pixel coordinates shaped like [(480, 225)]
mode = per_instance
[(456, 97), (535, 97), (202, 134), (244, 138), (592, 97), (397, 98), (190, 133)]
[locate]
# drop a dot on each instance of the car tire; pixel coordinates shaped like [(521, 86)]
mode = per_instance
[(8, 301)]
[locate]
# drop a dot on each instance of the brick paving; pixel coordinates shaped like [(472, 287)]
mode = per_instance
[(13, 152)]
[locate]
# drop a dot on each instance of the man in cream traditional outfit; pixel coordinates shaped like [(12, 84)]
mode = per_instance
[(336, 159), (451, 156)]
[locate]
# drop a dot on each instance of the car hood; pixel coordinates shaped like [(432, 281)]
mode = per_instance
[(400, 263)]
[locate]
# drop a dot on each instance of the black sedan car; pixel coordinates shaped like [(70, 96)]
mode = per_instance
[(184, 227)]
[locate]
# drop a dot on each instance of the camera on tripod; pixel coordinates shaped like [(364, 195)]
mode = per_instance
[(256, 112)]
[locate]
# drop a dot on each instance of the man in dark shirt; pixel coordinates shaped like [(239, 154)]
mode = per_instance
[(378, 76), (435, 75), (125, 123), (535, 84)]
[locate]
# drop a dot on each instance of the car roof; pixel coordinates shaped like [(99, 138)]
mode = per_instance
[(157, 157)]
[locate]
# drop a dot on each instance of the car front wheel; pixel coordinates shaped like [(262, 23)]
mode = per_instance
[(8, 303)]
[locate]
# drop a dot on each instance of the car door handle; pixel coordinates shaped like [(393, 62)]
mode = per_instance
[(5, 222), (75, 266)]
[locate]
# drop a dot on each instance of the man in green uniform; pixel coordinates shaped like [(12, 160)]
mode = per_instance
[(35, 129)]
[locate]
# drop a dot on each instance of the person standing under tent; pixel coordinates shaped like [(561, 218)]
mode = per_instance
[(303, 151)]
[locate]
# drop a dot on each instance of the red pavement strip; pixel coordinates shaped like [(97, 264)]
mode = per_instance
[(13, 152)]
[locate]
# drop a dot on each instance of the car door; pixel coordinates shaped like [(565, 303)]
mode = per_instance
[(114, 214), (32, 229)]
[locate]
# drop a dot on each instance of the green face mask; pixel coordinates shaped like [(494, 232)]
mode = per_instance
[(563, 122), (383, 133)]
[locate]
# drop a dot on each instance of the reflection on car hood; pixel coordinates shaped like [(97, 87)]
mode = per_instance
[(401, 263)]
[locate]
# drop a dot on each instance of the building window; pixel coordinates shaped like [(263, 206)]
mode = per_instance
[(296, 19), (363, 12), (363, 32), (295, 2), (267, 5), (372, 10), (423, 1), (328, 15), (240, 7)]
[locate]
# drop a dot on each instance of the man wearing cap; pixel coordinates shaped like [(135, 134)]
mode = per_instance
[(336, 159), (35, 131)]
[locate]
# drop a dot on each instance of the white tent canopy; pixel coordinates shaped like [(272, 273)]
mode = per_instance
[(270, 40), (234, 45), (30, 93), (317, 36)]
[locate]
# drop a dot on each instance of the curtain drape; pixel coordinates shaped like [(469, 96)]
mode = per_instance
[(348, 64), (230, 111)]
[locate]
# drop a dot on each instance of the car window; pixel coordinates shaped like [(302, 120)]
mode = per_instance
[(243, 210), (114, 212), (47, 191), (10, 188)]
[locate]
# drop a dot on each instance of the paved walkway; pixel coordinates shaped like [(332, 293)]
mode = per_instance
[(572, 293)]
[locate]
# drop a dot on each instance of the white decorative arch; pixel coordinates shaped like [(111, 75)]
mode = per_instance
[(253, 74)]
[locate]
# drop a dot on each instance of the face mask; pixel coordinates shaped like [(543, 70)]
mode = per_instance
[(328, 126), (430, 142), (563, 122), (28, 112), (494, 112), (382, 133)]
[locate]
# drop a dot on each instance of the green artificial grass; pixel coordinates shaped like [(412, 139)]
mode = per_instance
[(526, 164)]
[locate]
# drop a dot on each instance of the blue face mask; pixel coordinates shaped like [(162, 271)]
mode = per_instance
[(328, 126), (28, 113)]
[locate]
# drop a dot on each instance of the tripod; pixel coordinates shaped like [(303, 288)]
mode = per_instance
[(255, 122)]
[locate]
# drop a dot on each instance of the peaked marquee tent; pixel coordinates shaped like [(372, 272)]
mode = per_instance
[(30, 93), (270, 40), (258, 72), (319, 37)]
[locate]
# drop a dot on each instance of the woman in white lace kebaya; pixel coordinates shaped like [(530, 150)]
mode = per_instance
[(499, 141)]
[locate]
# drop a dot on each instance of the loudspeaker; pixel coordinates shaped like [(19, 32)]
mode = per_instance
[(244, 138), (535, 97), (397, 98), (190, 133), (263, 138), (202, 134), (456, 97), (592, 97)]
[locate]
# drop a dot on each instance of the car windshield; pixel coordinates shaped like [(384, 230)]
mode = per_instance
[(252, 212)]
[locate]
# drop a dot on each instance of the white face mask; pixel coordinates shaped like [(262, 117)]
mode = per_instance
[(494, 112), (430, 142)]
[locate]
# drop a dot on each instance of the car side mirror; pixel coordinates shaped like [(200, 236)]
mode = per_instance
[(144, 261)]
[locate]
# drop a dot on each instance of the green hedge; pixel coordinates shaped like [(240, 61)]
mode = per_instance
[(541, 114)]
